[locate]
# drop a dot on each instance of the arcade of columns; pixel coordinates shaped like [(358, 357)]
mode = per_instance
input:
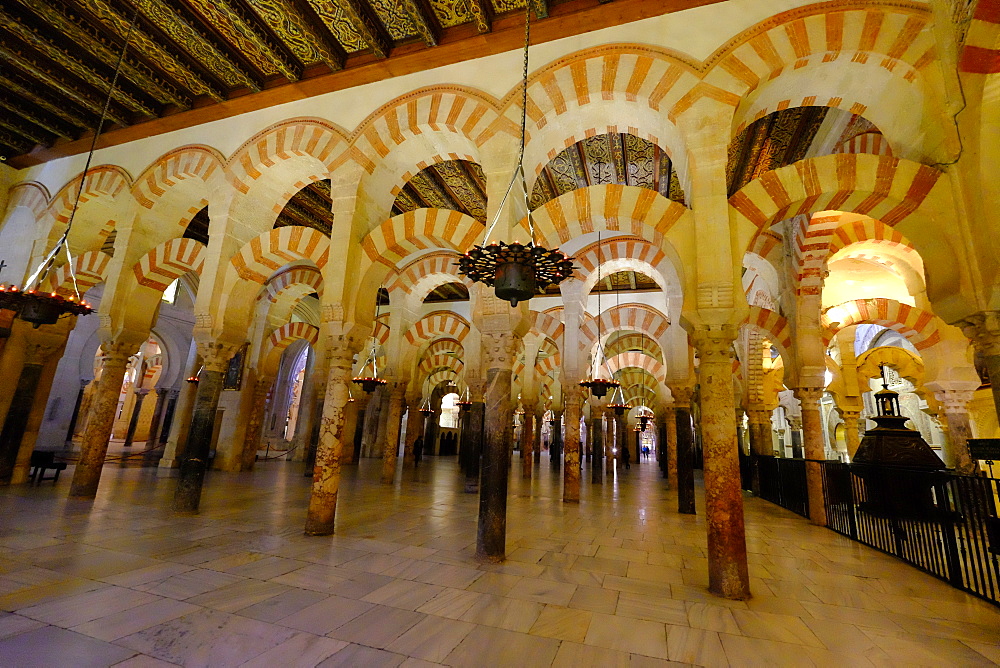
[(754, 307)]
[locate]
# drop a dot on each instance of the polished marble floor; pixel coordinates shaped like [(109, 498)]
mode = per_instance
[(619, 580)]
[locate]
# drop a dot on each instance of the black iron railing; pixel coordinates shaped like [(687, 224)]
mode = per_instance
[(781, 481), (944, 524)]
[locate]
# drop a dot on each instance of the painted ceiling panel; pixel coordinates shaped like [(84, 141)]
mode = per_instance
[(459, 185)]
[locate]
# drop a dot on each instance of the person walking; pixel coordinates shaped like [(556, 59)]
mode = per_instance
[(626, 457)]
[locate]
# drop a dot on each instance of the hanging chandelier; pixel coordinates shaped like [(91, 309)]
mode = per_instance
[(39, 307), (620, 406), (464, 403), (369, 383), (597, 385), (516, 272), (644, 417), (425, 408)]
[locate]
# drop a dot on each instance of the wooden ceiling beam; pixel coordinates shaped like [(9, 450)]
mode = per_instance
[(146, 47), (482, 14), (371, 30), (33, 117), (133, 69), (36, 70), (540, 7), (240, 28), (295, 30), (63, 59), (421, 20), (24, 131), (14, 142), (31, 95)]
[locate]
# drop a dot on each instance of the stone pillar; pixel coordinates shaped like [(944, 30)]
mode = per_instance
[(611, 441), (852, 434), (815, 450), (528, 441), (378, 446), (369, 430), (251, 444), (498, 361), (555, 441), (572, 405), (75, 418), (670, 447), (355, 417), (16, 421), (983, 330), (49, 357), (956, 412), (133, 422), (727, 551), (157, 418), (620, 440), (597, 449), (414, 429), (396, 394), (191, 477), (475, 423), (539, 417), (761, 443), (684, 428), (181, 422), (321, 516), (94, 446)]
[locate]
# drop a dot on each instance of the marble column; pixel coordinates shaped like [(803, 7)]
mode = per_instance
[(475, 423), (321, 516), (727, 551), (355, 417), (670, 447), (94, 445), (16, 420), (498, 350), (414, 429), (133, 422), (539, 418), (983, 330), (75, 417), (394, 419), (611, 441), (378, 446), (194, 464), (555, 441), (369, 432), (852, 435), (685, 459), (528, 441), (761, 443), (597, 449), (48, 356), (157, 418), (255, 426), (815, 450), (181, 423), (572, 405), (956, 412)]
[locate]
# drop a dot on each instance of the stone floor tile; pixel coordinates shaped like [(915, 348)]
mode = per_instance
[(711, 618), (505, 648), (695, 646), (507, 613), (577, 655), (404, 594), (12, 624), (431, 639), (377, 627), (450, 603), (322, 617), (302, 649), (543, 591), (74, 610), (354, 656), (628, 635), (595, 599), (284, 604), (563, 623), (51, 646), (144, 661), (118, 625)]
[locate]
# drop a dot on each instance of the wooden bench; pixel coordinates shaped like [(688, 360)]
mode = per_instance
[(41, 461)]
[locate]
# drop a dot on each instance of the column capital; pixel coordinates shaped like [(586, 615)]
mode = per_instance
[(809, 395), (954, 400), (848, 414), (983, 330), (682, 395), (714, 343), (117, 352), (499, 349), (216, 354), (759, 415)]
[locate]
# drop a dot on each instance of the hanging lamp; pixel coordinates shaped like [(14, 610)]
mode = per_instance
[(45, 308), (599, 386), (620, 406), (369, 383), (644, 417), (425, 408), (517, 272), (464, 403)]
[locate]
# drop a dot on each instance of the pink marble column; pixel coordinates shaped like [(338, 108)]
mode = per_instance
[(414, 428), (728, 575), (573, 403), (255, 426), (815, 450), (94, 446), (956, 412), (321, 516), (527, 440), (390, 453), (670, 418)]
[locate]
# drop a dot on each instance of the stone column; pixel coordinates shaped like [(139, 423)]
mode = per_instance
[(321, 516), (355, 417), (75, 417), (528, 441), (378, 446), (181, 422), (852, 434), (539, 417), (761, 443), (397, 392), (572, 405), (815, 450), (16, 420), (611, 441), (369, 430), (597, 449), (956, 412), (157, 418), (251, 444), (684, 428), (475, 423), (94, 445), (191, 476), (670, 447), (498, 361), (727, 551), (983, 330), (555, 441), (48, 357), (414, 429), (133, 422)]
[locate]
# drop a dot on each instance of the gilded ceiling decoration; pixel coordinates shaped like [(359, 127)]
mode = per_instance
[(57, 57), (621, 281), (197, 228), (459, 185), (619, 158), (449, 292), (775, 141), (310, 207)]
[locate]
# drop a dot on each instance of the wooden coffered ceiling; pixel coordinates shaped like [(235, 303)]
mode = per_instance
[(194, 61)]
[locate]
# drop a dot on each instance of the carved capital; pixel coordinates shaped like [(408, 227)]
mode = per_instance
[(499, 349), (954, 401), (759, 416), (809, 397), (117, 353), (714, 343), (216, 354), (983, 330), (682, 395)]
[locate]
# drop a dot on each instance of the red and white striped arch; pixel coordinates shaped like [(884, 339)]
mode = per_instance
[(91, 268), (283, 337), (635, 341), (774, 326), (444, 346), (634, 360), (639, 212), (826, 235), (30, 195), (433, 363), (884, 188), (981, 51), (426, 273), (265, 254), (921, 327), (548, 326), (438, 324), (306, 276), (161, 266), (618, 248), (419, 230), (633, 317), (186, 162)]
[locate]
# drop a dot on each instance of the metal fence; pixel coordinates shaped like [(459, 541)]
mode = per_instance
[(946, 525), (782, 481)]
